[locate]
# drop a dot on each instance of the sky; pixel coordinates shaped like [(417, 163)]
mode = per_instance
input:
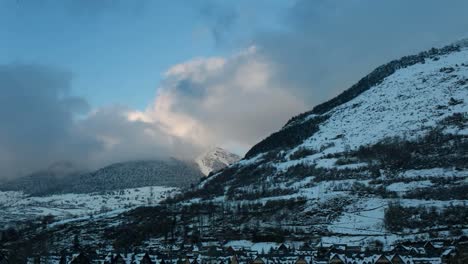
[(96, 82)]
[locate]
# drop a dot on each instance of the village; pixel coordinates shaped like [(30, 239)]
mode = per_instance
[(427, 252)]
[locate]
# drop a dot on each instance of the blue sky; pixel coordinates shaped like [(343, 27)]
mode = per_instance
[(118, 50)]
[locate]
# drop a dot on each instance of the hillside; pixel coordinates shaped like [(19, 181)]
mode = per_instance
[(53, 179), (168, 172), (384, 161), (64, 177), (16, 208), (133, 174), (66, 193)]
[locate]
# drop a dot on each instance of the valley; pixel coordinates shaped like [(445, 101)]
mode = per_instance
[(16, 208)]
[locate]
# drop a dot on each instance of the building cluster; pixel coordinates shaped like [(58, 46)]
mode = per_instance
[(432, 252)]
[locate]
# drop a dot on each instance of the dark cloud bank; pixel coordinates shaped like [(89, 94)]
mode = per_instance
[(330, 44), (37, 113), (42, 123)]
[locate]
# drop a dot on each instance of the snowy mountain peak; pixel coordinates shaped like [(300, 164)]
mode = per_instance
[(215, 159)]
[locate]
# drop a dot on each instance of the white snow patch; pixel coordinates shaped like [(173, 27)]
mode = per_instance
[(16, 206)]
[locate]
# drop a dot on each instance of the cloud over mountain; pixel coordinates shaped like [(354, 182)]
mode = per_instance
[(310, 51), (38, 119), (44, 123), (215, 101)]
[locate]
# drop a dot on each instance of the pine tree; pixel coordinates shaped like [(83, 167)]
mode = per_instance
[(76, 243)]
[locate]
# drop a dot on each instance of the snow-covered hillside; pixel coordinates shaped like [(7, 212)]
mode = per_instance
[(168, 172), (215, 159), (399, 136), (133, 174), (407, 104), (17, 207)]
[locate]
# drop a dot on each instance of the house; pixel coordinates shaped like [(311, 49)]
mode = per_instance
[(306, 248), (448, 255), (430, 249), (80, 259), (185, 261), (382, 260), (283, 249), (230, 250), (63, 259), (234, 260), (396, 259), (146, 259), (301, 260), (336, 260), (258, 260), (118, 259), (434, 248), (400, 249)]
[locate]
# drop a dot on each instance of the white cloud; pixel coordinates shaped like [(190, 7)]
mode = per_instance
[(129, 135), (229, 101)]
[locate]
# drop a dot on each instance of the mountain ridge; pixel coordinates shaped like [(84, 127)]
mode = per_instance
[(65, 177), (370, 80), (384, 164)]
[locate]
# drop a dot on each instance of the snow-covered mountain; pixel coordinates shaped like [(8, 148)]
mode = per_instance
[(384, 161), (133, 174), (392, 145), (67, 193), (65, 178), (215, 159)]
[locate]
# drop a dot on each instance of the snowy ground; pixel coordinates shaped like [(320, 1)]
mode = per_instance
[(16, 206), (363, 220), (260, 247)]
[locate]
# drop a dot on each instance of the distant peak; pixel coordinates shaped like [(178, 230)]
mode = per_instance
[(215, 159)]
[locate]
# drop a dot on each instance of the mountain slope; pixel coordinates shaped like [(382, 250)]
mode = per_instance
[(51, 180), (398, 137), (132, 174), (57, 179), (410, 103), (386, 160), (215, 159), (64, 177), (295, 126)]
